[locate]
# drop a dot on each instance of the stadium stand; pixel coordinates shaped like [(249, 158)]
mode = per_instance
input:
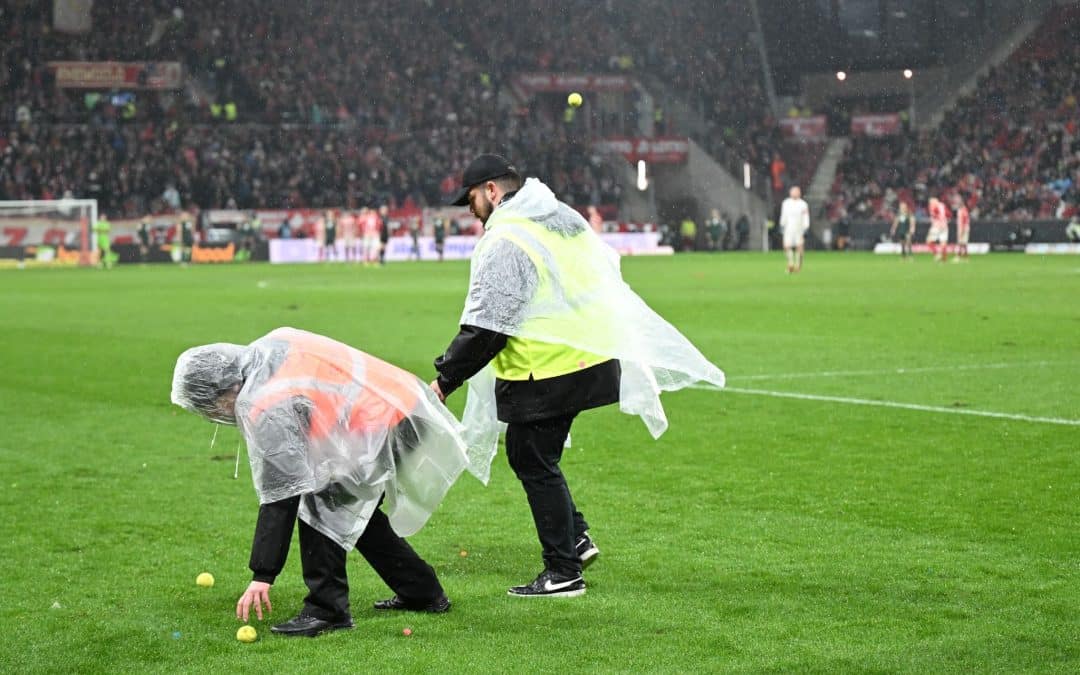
[(379, 123), (704, 51), (338, 102), (1011, 149), (699, 48)]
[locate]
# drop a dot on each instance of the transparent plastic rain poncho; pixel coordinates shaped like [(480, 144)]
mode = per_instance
[(554, 280), (331, 424)]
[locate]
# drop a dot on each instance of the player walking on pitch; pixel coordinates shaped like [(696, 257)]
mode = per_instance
[(903, 225), (384, 233), (794, 222), (102, 228), (963, 229), (347, 232), (439, 230), (369, 232), (329, 235), (938, 237)]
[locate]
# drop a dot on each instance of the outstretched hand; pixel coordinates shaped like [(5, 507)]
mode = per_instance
[(256, 594), (438, 391)]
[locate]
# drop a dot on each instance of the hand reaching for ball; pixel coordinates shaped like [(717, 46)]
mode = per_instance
[(256, 594)]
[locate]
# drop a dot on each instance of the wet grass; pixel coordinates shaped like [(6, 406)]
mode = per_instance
[(759, 534)]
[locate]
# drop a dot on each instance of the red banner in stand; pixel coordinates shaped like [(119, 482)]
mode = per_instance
[(565, 82), (667, 150), (886, 124), (118, 75), (803, 127)]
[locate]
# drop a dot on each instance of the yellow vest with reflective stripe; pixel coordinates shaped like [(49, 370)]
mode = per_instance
[(523, 358)]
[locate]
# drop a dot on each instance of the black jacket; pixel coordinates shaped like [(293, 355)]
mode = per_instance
[(531, 400), (273, 535)]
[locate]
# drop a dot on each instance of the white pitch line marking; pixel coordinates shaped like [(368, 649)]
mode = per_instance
[(895, 371), (892, 404)]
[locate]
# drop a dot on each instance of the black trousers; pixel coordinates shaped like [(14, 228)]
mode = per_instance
[(534, 450), (396, 563)]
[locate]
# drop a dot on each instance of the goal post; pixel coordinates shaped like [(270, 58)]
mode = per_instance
[(49, 230)]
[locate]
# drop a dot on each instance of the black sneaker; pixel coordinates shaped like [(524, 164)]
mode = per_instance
[(551, 585), (306, 625), (586, 550), (437, 606)]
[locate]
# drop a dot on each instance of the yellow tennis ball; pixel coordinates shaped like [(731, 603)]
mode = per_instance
[(246, 634), (206, 580), (574, 99)]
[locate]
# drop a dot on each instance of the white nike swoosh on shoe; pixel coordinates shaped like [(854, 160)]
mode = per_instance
[(548, 586)]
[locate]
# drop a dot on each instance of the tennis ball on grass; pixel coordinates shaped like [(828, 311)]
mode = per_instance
[(246, 634), (206, 580)]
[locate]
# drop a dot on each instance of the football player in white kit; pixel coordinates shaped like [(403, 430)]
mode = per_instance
[(794, 222)]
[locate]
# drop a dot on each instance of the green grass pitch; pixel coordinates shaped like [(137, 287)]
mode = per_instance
[(760, 534)]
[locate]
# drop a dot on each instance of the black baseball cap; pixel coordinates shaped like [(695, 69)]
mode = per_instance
[(484, 168)]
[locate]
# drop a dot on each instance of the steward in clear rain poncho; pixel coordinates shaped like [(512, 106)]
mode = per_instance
[(549, 330), (331, 433), (541, 273)]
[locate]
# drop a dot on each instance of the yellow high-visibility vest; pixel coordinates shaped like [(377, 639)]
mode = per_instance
[(522, 357)]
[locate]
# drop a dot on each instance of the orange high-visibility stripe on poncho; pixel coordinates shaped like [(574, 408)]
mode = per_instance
[(325, 373)]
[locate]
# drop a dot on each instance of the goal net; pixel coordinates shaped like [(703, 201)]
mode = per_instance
[(48, 231)]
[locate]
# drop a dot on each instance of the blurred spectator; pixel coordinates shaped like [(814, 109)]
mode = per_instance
[(1072, 230), (688, 231), (716, 230)]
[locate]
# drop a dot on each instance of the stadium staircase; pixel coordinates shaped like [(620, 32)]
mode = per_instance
[(710, 181), (802, 159), (820, 188)]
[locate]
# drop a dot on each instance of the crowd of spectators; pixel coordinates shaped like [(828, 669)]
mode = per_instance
[(510, 36), (1010, 150), (135, 168), (700, 50), (703, 50), (356, 102), (340, 103)]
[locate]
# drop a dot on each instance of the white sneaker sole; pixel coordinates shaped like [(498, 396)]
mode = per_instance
[(559, 594), (589, 556)]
